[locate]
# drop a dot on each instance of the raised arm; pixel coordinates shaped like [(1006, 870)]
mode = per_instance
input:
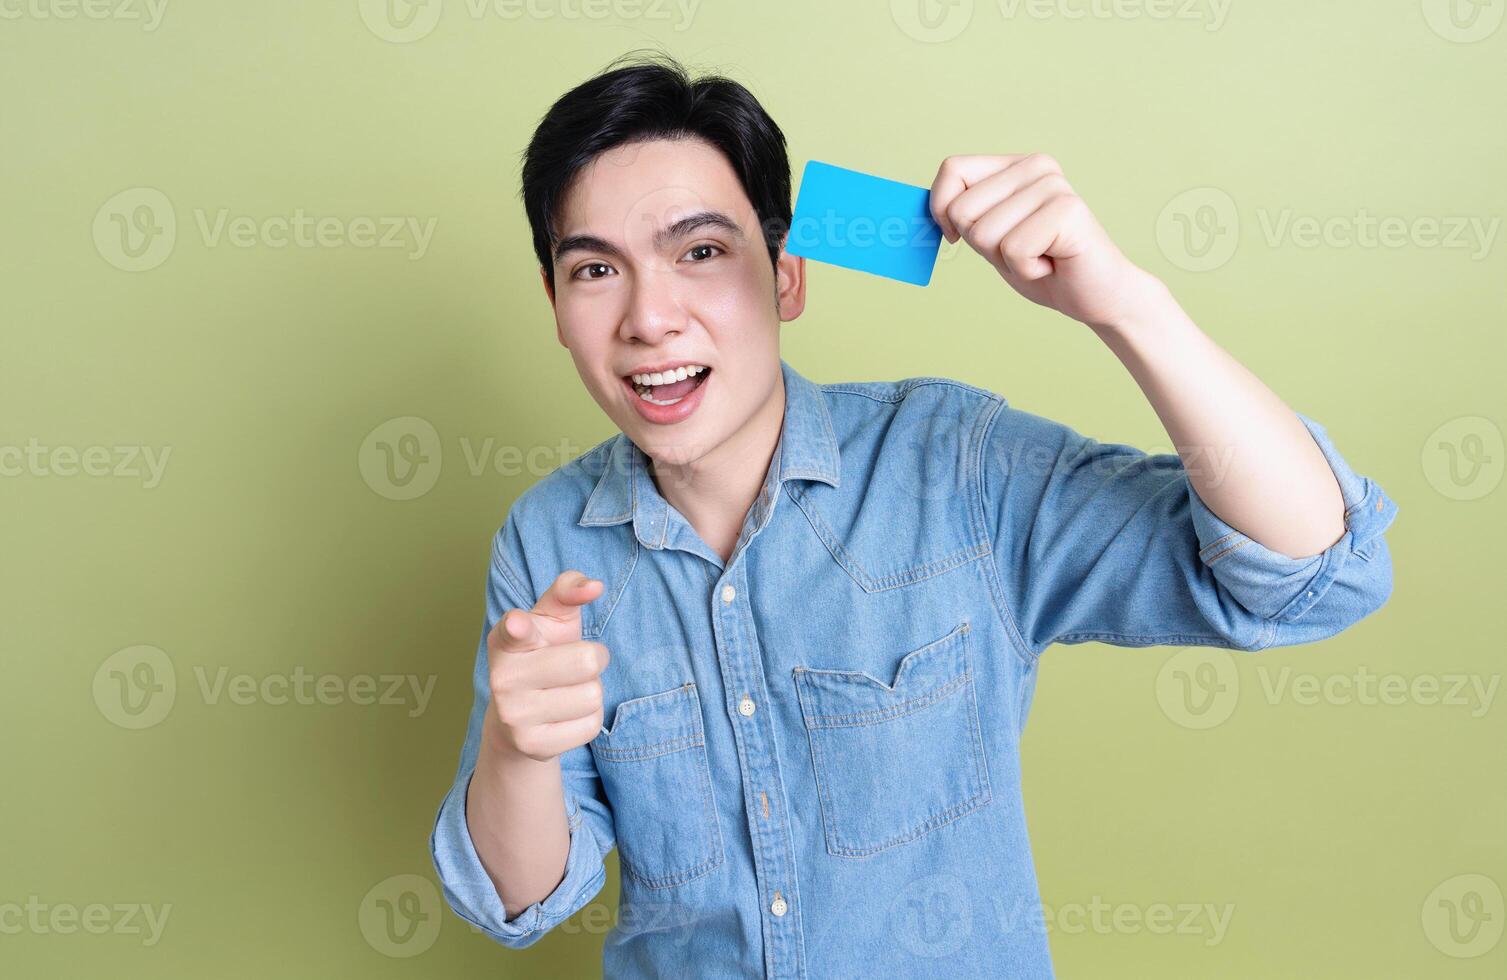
[(1257, 533), (1249, 457)]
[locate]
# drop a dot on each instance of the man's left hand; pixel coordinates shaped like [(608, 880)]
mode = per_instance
[(1020, 213)]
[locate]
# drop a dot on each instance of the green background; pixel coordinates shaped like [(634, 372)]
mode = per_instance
[(1334, 830)]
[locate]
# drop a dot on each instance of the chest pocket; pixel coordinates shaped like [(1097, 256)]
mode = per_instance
[(654, 770), (893, 762)]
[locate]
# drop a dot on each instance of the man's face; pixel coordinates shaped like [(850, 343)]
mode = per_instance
[(661, 264)]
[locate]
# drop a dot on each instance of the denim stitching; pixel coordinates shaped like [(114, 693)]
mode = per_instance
[(1151, 639), (919, 573), (510, 576), (599, 623), (951, 636), (861, 719), (638, 753), (867, 582), (745, 624), (737, 742), (973, 465), (852, 388), (1234, 547), (674, 694), (617, 518), (1331, 562), (1220, 540), (817, 765), (984, 795), (947, 816), (745, 629), (895, 391), (710, 823), (981, 754), (993, 576), (714, 852)]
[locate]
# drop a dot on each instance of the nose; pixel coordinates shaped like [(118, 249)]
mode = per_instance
[(654, 313)]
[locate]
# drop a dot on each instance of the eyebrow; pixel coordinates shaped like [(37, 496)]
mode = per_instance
[(662, 237)]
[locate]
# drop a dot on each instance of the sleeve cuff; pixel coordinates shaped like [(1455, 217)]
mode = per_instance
[(1274, 586), (470, 891)]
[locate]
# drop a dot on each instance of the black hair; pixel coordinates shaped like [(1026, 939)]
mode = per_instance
[(654, 97)]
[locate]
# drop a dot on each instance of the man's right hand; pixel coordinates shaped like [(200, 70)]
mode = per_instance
[(546, 680)]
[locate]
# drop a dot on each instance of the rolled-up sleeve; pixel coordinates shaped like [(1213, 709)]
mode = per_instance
[(466, 885), (1303, 599), (1103, 542)]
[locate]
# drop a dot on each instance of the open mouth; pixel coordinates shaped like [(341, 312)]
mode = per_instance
[(668, 387)]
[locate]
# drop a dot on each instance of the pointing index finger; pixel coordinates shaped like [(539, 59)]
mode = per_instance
[(566, 594)]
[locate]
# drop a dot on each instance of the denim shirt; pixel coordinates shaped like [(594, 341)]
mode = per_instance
[(810, 762)]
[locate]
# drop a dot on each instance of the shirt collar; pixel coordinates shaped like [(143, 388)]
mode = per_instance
[(807, 450)]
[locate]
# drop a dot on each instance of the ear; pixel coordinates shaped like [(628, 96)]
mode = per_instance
[(544, 278), (790, 284)]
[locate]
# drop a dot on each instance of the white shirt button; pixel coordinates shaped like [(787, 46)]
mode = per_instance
[(746, 707), (778, 906), (728, 592)]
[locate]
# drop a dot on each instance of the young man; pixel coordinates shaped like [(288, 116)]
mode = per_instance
[(825, 604)]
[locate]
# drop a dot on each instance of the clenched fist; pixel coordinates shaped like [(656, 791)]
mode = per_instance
[(546, 680), (1019, 212)]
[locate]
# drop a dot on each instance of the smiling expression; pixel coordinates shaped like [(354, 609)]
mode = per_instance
[(662, 271)]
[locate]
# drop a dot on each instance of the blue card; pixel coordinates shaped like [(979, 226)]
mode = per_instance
[(863, 222)]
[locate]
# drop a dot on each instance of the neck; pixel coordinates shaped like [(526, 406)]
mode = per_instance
[(715, 491)]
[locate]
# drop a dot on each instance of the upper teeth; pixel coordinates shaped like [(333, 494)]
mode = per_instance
[(666, 377)]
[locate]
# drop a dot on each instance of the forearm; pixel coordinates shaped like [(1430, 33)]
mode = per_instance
[(515, 811), (1248, 455)]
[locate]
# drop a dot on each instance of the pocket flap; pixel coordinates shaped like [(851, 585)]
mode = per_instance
[(655, 721), (845, 697)]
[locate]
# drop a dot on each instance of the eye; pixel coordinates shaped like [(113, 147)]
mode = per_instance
[(590, 265), (700, 248)]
